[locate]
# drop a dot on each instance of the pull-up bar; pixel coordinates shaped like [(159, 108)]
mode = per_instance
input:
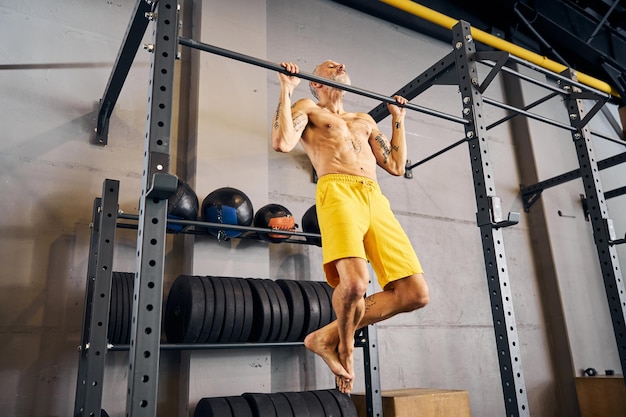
[(275, 67)]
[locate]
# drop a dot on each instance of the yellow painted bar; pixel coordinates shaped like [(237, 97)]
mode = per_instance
[(498, 43)]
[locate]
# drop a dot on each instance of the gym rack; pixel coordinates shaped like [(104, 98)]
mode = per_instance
[(458, 67)]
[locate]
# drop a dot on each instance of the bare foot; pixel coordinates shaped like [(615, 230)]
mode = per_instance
[(347, 362), (327, 350)]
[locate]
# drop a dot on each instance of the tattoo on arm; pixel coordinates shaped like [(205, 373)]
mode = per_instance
[(277, 115), (369, 302), (383, 144), (397, 125), (299, 122)]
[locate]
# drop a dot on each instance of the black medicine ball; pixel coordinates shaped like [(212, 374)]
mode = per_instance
[(227, 205)]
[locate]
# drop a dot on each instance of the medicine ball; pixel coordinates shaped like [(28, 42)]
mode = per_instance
[(227, 205), (310, 225), (274, 216), (182, 205)]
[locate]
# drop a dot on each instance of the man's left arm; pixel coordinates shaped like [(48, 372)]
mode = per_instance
[(391, 153)]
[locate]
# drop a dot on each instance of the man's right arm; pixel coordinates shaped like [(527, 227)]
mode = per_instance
[(289, 121)]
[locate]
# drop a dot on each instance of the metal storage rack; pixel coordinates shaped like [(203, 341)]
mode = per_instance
[(458, 67)]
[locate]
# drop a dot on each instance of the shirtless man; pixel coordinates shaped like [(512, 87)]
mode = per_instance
[(356, 222)]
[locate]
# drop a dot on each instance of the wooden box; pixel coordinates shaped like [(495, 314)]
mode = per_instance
[(419, 402), (601, 396)]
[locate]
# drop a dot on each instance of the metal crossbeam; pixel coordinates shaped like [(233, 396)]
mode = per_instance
[(418, 85), (126, 55), (531, 193)]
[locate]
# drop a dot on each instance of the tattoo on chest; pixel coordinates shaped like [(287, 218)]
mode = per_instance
[(354, 144)]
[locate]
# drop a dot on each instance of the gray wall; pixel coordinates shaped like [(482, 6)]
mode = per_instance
[(54, 64)]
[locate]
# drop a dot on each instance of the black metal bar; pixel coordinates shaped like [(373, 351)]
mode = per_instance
[(558, 77), (96, 347), (610, 139), (602, 22), (213, 346), (157, 185), (602, 228), (540, 38), (489, 221), (275, 67), (436, 154), (418, 85), (526, 77), (615, 193), (499, 58), (528, 114), (590, 113), (525, 108), (125, 57), (83, 362), (212, 225), (531, 192)]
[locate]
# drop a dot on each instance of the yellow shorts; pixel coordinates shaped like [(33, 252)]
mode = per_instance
[(356, 220)]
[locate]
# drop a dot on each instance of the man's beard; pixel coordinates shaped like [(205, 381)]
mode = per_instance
[(341, 78)]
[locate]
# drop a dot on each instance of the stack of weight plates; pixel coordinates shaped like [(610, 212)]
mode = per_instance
[(320, 403), (120, 313), (205, 309)]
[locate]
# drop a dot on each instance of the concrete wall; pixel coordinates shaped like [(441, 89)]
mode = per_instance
[(54, 64)]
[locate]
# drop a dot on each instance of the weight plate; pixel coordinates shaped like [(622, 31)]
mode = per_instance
[(325, 307), (274, 308), (229, 311), (239, 312), (209, 309), (311, 308), (329, 404), (281, 405), (330, 290), (218, 309), (213, 407), (262, 319), (239, 406), (297, 403), (260, 404), (112, 328), (247, 309), (284, 311), (346, 405), (184, 310), (313, 404), (295, 302)]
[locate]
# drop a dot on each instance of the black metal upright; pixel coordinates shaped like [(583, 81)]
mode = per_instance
[(93, 346), (603, 232), (490, 222), (157, 186)]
